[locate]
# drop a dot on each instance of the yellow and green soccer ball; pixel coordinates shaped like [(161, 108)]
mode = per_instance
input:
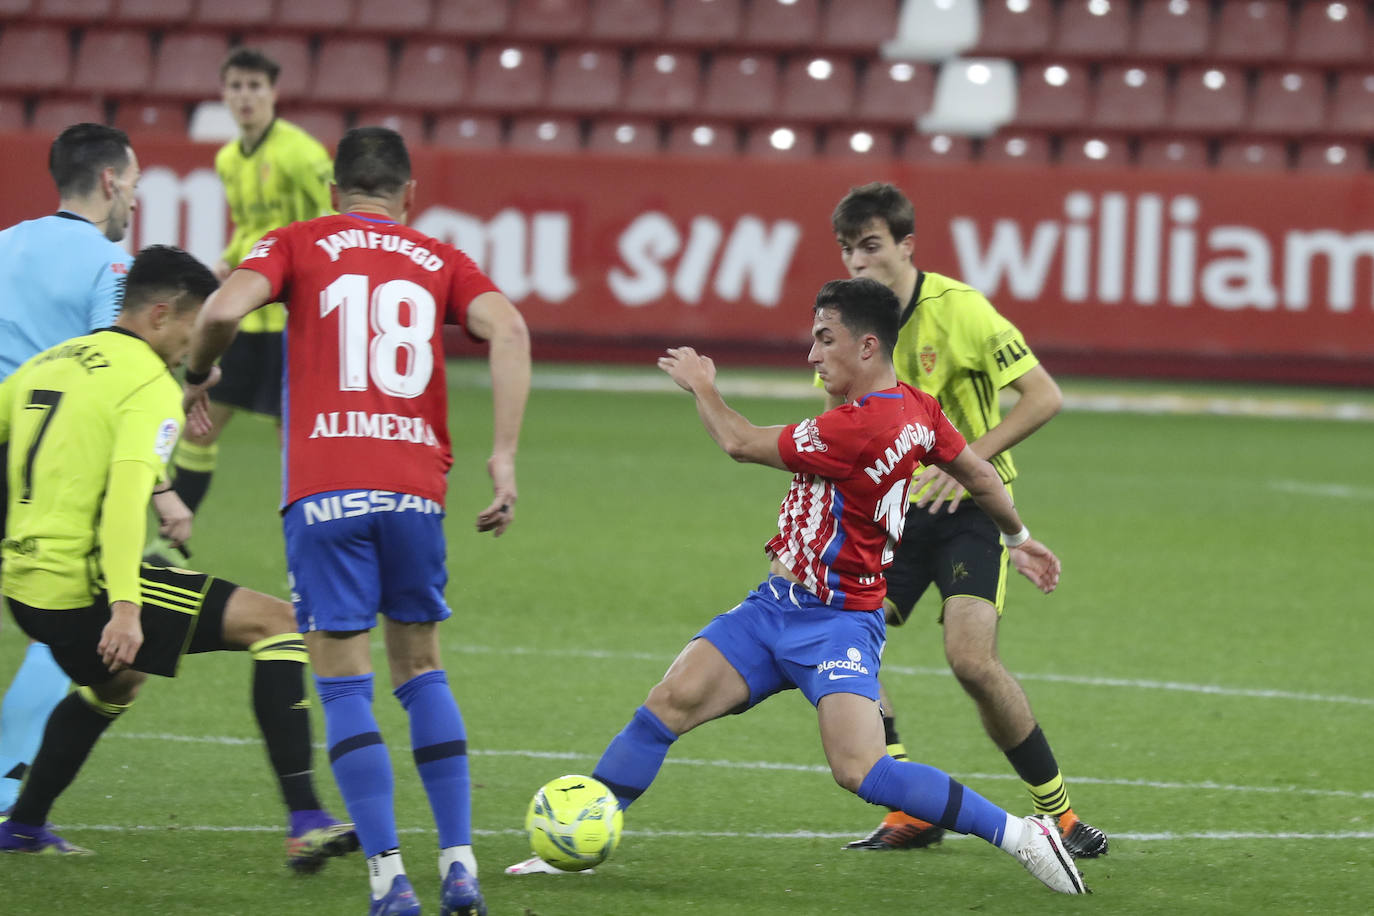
[(573, 822)]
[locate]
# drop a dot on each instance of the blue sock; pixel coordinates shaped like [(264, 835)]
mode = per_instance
[(38, 686), (633, 758), (925, 792), (361, 765), (441, 754)]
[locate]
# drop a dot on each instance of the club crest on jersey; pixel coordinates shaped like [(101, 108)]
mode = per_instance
[(807, 437), (927, 357)]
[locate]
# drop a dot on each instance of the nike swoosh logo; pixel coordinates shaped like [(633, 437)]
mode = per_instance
[(837, 677)]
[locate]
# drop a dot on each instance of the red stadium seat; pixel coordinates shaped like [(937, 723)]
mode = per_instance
[(1332, 33), (1161, 152), (740, 86), (1015, 29), (12, 113), (628, 136), (663, 83), (861, 26), (351, 71), (409, 124), (637, 22), (545, 135), (73, 11), (114, 62), (315, 15), (1017, 147), (1352, 103), (1130, 97), (481, 19), (699, 138), (53, 115), (1341, 156), (585, 79), (158, 12), (1289, 101), (894, 92), (431, 74), (292, 54), (1209, 98), (1174, 30), (34, 57), (782, 24), (858, 143), (325, 123), (235, 17), (403, 17), (703, 22), (15, 9), (817, 89), (548, 20), (780, 141), (1092, 28), (1094, 151), (464, 131), (934, 148), (1245, 153), (1052, 95), (135, 118), (187, 65), (1251, 30), (507, 78)]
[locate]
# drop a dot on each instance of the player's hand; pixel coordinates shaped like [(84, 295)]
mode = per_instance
[(943, 489), (122, 637), (1037, 563), (174, 517), (195, 401), (497, 516), (688, 368)]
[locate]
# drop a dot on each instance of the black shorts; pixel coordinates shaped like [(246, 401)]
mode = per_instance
[(183, 613), (961, 553), (252, 374)]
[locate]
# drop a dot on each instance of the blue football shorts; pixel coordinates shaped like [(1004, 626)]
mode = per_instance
[(354, 554), (782, 636)]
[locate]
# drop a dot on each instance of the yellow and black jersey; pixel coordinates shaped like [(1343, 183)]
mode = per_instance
[(85, 421), (955, 346), (283, 179)]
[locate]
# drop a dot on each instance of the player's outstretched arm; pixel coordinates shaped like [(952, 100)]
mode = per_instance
[(492, 317), (1033, 559), (740, 439)]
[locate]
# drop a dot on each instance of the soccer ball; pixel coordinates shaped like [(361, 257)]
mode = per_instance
[(573, 822)]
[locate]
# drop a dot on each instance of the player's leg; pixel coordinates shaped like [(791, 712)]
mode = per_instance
[(971, 648), (238, 618), (197, 455)]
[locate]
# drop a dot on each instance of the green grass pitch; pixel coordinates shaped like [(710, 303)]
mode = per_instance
[(1203, 673)]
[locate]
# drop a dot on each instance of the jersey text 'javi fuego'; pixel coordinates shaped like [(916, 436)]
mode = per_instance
[(365, 404)]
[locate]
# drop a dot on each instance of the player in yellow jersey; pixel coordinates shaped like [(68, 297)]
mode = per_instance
[(955, 346), (92, 423), (273, 174)]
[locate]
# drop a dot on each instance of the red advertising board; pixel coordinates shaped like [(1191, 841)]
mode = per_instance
[(1265, 276)]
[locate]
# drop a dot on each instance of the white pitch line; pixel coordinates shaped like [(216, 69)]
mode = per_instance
[(1168, 836), (1203, 786), (1083, 680), (1330, 490)]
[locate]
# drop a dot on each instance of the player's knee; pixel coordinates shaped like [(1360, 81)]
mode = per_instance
[(252, 616), (849, 772), (972, 669), (676, 703), (111, 697)]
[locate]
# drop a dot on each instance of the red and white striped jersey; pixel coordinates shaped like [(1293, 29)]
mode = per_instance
[(843, 515), (364, 401)]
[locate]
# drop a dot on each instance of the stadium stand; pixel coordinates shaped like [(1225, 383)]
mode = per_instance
[(1334, 33), (628, 22), (1172, 30), (114, 62), (1018, 147), (51, 115), (409, 124), (781, 141), (187, 65), (860, 26), (1094, 151), (403, 17), (1335, 156), (702, 138), (817, 89), (548, 20), (1130, 97), (844, 143), (465, 131), (1172, 152), (1352, 103), (624, 136), (34, 58), (508, 78), (167, 118), (703, 22), (1289, 101), (215, 14), (351, 70), (12, 113), (1259, 153), (1052, 95), (292, 52), (934, 29), (430, 75), (314, 15), (541, 134), (585, 79), (76, 12), (972, 96), (1018, 30), (935, 147), (1095, 29), (470, 19), (663, 83), (781, 24), (740, 85), (1209, 98), (326, 124), (1251, 30), (895, 93)]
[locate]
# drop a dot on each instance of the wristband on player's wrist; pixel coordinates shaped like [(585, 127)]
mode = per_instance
[(1017, 539), (193, 377)]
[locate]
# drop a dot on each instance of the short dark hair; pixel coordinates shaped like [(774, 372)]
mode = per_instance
[(875, 200), (166, 273), (250, 59), (865, 307), (373, 161), (81, 152)]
